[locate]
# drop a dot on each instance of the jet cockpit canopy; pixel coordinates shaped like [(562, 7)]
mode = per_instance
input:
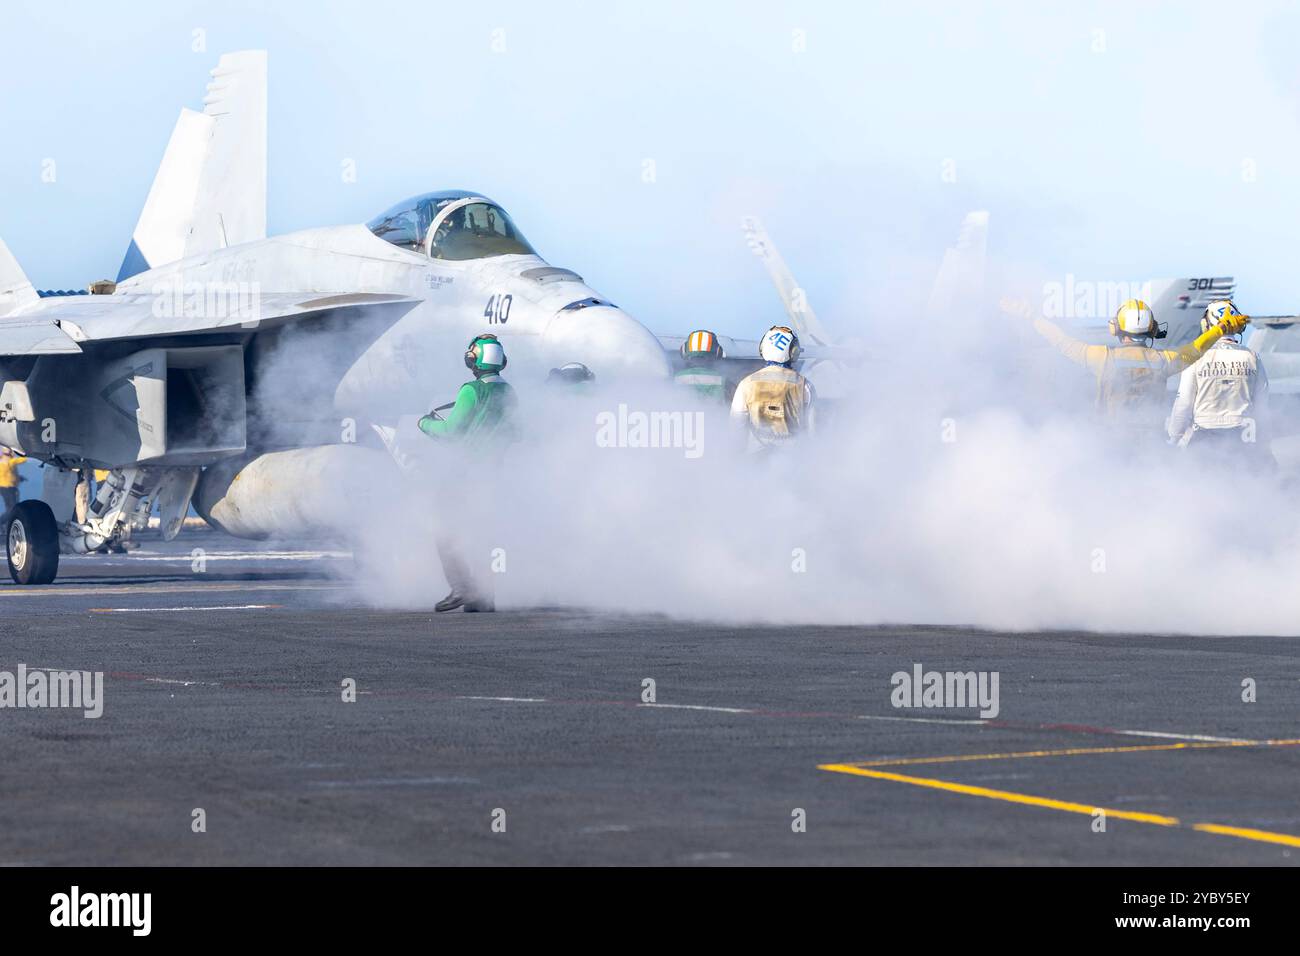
[(452, 225)]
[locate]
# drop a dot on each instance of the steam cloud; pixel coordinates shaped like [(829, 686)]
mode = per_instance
[(1031, 516)]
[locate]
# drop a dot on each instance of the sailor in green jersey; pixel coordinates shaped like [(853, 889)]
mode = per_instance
[(700, 354), (479, 423), (480, 416)]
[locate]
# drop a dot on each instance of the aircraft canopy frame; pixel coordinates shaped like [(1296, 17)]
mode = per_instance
[(452, 226)]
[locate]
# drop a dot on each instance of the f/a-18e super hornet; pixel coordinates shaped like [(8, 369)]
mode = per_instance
[(216, 369)]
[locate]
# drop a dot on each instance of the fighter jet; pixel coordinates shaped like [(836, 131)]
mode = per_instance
[(217, 344), (234, 372), (958, 285)]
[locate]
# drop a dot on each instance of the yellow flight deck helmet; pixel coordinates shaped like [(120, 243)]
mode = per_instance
[(1136, 320)]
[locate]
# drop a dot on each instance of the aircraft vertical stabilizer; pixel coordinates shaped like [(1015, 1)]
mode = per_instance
[(15, 290), (1180, 303), (210, 191), (959, 285), (802, 318)]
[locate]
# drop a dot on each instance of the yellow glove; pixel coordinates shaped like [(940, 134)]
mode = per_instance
[(1233, 322)]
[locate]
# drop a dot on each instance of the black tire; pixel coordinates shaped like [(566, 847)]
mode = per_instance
[(34, 534)]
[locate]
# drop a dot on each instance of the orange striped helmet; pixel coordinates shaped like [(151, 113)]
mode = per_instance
[(701, 344)]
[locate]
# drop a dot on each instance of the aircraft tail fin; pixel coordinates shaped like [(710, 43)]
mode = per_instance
[(15, 289), (210, 191), (959, 284), (802, 318), (1180, 303)]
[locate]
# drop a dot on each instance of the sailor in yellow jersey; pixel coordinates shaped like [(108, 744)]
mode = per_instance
[(1131, 376), (9, 477), (775, 404)]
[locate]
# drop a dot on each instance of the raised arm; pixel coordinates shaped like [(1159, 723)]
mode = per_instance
[(1092, 357)]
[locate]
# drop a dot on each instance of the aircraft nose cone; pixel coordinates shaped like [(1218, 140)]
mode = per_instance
[(608, 341)]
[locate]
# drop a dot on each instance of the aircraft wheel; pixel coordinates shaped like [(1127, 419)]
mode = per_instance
[(32, 543)]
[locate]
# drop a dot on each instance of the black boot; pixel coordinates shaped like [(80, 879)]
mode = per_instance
[(452, 601)]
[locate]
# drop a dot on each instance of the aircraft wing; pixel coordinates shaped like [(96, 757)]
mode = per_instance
[(1276, 339), (1274, 321), (740, 356), (68, 323), (747, 349), (35, 337), (958, 285)]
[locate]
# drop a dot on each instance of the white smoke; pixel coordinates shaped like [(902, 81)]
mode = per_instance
[(943, 491)]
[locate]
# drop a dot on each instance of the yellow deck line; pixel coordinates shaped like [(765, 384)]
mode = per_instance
[(1244, 833), (1024, 798)]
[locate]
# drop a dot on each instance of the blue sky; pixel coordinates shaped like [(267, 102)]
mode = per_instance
[(1111, 141)]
